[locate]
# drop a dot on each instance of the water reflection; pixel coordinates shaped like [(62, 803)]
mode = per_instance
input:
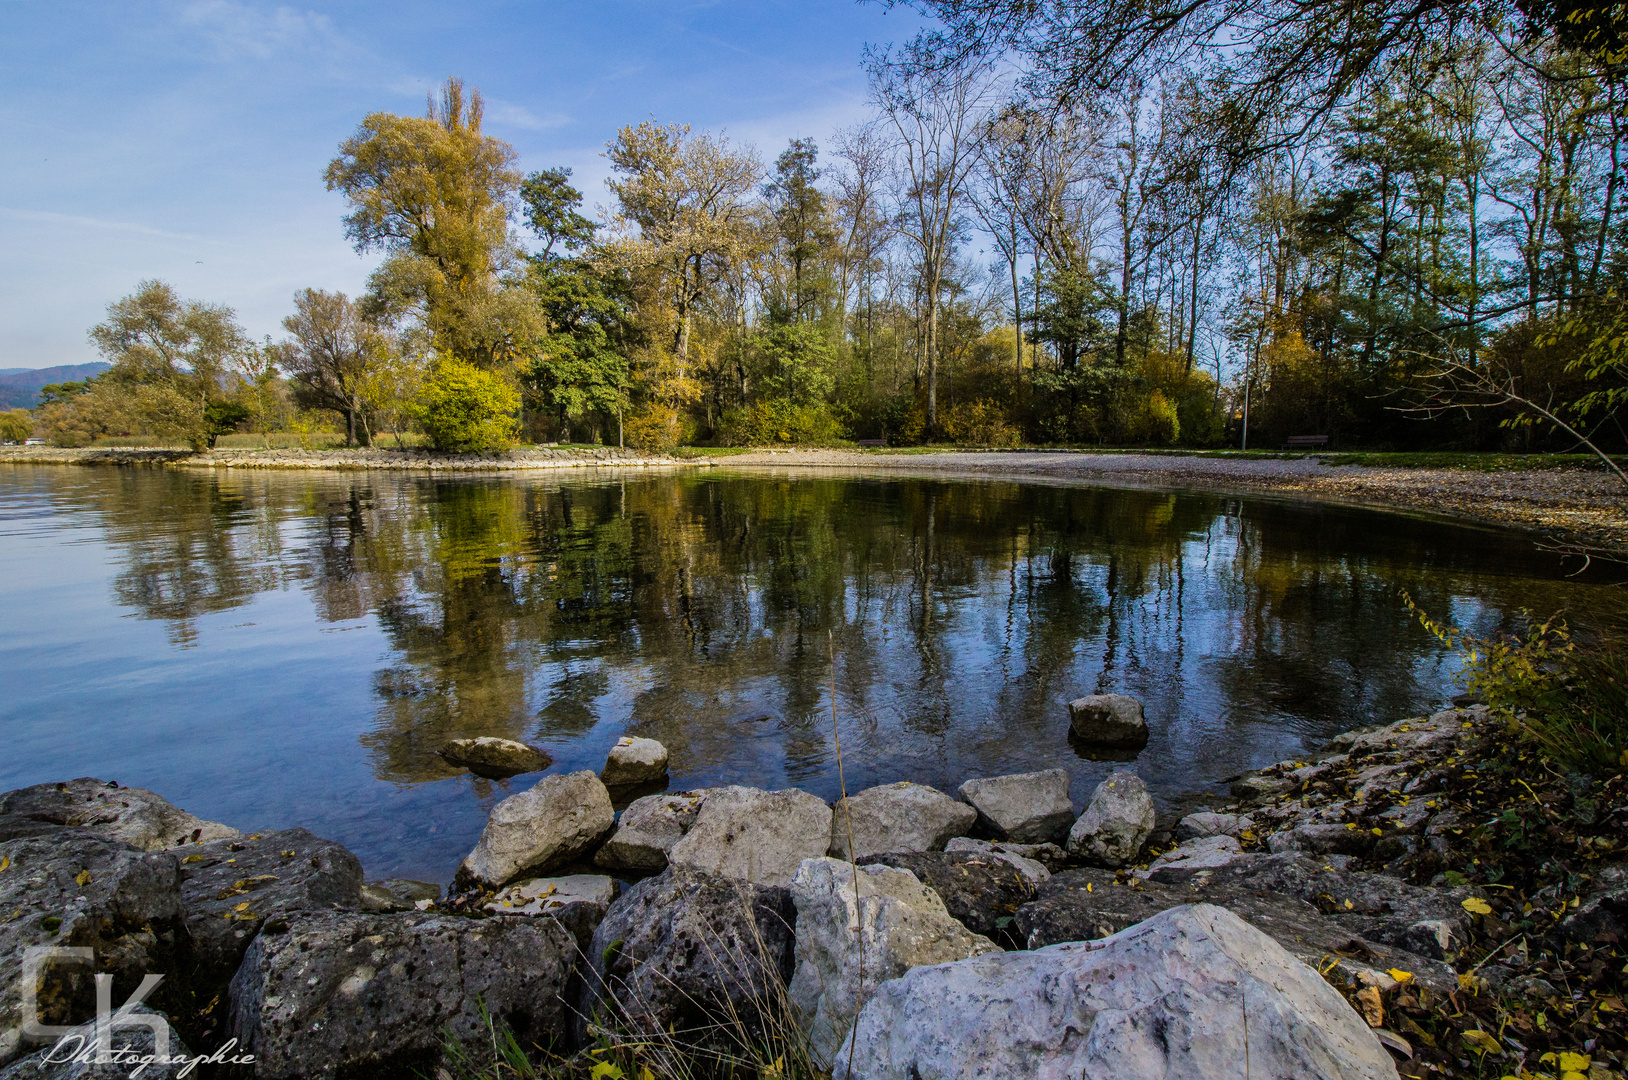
[(697, 609)]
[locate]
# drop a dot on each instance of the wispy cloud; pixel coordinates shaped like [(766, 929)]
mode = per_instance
[(239, 29), (83, 222), (518, 116)]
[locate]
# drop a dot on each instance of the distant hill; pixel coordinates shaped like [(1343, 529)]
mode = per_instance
[(20, 387)]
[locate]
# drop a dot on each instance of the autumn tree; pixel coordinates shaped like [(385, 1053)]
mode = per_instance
[(330, 355)]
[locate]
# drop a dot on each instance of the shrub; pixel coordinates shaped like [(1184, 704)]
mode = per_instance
[(16, 426), (653, 426), (466, 410), (978, 423), (767, 422)]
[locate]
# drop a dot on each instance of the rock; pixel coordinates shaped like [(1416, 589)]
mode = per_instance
[(578, 901), (856, 930), (496, 758), (398, 894), (1116, 823), (1205, 854), (634, 761), (342, 994), (229, 888), (1321, 840), (983, 891), (1033, 871), (133, 816), (76, 1057), (1254, 787), (1200, 825), (1412, 737), (72, 889), (1027, 808), (754, 835), (898, 817), (559, 820), (1108, 720), (685, 951), (1603, 910), (1164, 1000), (648, 830)]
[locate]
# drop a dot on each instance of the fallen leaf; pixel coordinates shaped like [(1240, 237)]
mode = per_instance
[(1392, 1041), (5, 861), (83, 879), (1477, 906), (1369, 1005), (1481, 1042)]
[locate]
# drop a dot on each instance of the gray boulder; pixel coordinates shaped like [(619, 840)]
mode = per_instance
[(1108, 720), (897, 817), (689, 952), (1200, 825), (77, 1057), (1186, 995), (493, 757), (855, 930), (340, 994), (754, 835), (1203, 854), (578, 901), (1017, 856), (1603, 909), (134, 816), (634, 761), (647, 831), (1255, 787), (70, 889), (981, 890), (1026, 808), (1116, 823), (399, 894), (559, 820)]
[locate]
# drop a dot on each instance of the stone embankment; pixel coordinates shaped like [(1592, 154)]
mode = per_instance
[(380, 457), (912, 933)]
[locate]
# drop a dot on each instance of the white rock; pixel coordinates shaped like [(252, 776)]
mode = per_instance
[(1024, 807), (563, 817), (755, 835), (847, 945), (1034, 872), (1108, 720), (1190, 994), (1205, 853), (898, 817), (634, 761), (1116, 823), (648, 829), (1197, 826), (539, 896)]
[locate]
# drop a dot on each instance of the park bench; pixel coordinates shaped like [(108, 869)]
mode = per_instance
[(1305, 442), (870, 442)]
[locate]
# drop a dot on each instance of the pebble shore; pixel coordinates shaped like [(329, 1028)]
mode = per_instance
[(354, 459)]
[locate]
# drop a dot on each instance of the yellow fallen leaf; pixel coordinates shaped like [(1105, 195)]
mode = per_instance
[(5, 861), (1399, 975), (1351, 824), (242, 907), (1087, 886), (83, 878), (1378, 832), (1247, 835), (1481, 1042), (1570, 1062), (1349, 905), (1477, 906), (1368, 1003)]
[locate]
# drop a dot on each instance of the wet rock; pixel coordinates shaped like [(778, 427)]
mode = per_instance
[(754, 835), (578, 901), (1603, 909), (1322, 839), (1014, 855), (341, 994), (1025, 808), (857, 929), (898, 817), (634, 761), (1116, 823), (133, 816), (76, 1056), (559, 820), (1108, 720), (496, 758), (647, 831), (1256, 786), (72, 889), (686, 950), (981, 891), (1160, 1000), (1410, 738), (1203, 824), (398, 894)]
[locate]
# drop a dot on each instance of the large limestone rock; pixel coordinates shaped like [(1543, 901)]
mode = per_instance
[(494, 757), (1025, 808), (647, 831), (981, 890), (77, 1057), (897, 817), (67, 888), (857, 930), (757, 836), (340, 994), (1116, 823), (1187, 995), (559, 820), (1108, 720), (688, 951), (634, 761), (134, 816)]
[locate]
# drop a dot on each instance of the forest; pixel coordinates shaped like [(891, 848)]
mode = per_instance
[(1078, 224)]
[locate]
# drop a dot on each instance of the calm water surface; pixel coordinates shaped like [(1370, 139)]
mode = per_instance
[(273, 649)]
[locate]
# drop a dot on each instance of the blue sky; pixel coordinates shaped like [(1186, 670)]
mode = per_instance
[(186, 141)]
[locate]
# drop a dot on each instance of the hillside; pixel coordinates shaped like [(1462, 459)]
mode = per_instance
[(20, 387)]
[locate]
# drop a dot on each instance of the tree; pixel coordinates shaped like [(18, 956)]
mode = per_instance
[(330, 357), (803, 221), (16, 426), (467, 410), (551, 211)]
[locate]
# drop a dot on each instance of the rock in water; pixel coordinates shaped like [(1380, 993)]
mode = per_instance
[(898, 817), (855, 932), (688, 951), (1026, 808), (350, 994), (754, 835), (1187, 995), (134, 816), (1108, 720), (648, 830), (634, 761), (560, 819), (1116, 823), (493, 757)]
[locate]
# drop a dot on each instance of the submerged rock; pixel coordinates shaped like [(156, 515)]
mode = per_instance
[(647, 831), (559, 820), (634, 761), (1029, 808), (754, 835), (897, 817), (1108, 720), (134, 816), (494, 757), (1116, 823)]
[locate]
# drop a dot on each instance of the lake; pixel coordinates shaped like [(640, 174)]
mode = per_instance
[(271, 649)]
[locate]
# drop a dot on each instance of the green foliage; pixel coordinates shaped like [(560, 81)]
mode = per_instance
[(797, 363), (16, 426), (465, 409), (768, 422)]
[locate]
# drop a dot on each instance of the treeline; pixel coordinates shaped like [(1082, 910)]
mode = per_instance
[(1056, 228)]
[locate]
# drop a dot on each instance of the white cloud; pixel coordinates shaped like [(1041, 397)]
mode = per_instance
[(240, 29), (509, 114), (81, 221)]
